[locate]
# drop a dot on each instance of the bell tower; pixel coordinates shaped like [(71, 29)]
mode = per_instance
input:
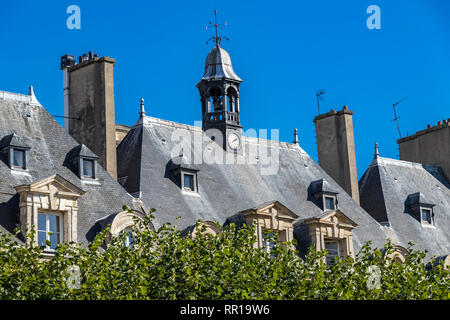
[(219, 92)]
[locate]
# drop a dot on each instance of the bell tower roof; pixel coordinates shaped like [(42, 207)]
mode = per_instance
[(218, 66)]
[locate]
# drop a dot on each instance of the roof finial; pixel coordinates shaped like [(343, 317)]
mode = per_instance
[(142, 112), (217, 39), (295, 136), (377, 154)]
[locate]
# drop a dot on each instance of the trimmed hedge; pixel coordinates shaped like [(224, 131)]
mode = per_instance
[(164, 265)]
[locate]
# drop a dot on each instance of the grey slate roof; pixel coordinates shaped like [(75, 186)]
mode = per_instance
[(50, 145), (225, 189), (385, 191)]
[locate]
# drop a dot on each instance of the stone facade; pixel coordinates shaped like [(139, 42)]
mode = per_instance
[(271, 217), (335, 226), (429, 147)]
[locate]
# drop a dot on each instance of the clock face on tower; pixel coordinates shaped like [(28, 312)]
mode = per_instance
[(233, 141)]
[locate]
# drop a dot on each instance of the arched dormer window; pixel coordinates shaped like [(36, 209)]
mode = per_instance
[(397, 255), (14, 152), (206, 228), (123, 223), (83, 162)]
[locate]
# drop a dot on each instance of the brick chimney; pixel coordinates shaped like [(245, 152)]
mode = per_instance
[(336, 148), (89, 105)]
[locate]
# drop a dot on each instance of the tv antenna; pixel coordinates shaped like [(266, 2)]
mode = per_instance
[(397, 117), (217, 39), (318, 96)]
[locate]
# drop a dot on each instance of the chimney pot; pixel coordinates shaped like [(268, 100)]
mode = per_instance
[(428, 126), (91, 55), (439, 123)]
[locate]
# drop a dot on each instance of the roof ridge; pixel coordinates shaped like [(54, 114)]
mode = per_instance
[(149, 120), (384, 160), (20, 97)]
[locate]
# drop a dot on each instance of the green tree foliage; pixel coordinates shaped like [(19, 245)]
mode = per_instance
[(163, 264)]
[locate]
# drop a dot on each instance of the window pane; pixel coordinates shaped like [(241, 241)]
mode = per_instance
[(88, 168), (332, 248), (267, 242), (333, 251), (128, 241), (426, 215), (329, 203), (41, 222), (54, 240), (189, 181), (53, 223), (18, 158), (41, 238)]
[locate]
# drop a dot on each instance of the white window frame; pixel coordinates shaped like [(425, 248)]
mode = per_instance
[(431, 222), (94, 168), (333, 198), (47, 227), (194, 175), (324, 202), (11, 152)]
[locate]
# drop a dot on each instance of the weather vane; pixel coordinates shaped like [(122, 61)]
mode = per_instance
[(217, 39)]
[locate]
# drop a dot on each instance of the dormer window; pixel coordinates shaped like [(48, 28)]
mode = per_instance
[(185, 174), (323, 195), (19, 159), (421, 208), (51, 205), (272, 218), (15, 152), (332, 231), (83, 162)]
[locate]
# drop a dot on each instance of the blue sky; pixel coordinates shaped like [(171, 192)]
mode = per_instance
[(283, 50)]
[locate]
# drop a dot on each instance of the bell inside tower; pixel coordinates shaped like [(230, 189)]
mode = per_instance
[(215, 100)]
